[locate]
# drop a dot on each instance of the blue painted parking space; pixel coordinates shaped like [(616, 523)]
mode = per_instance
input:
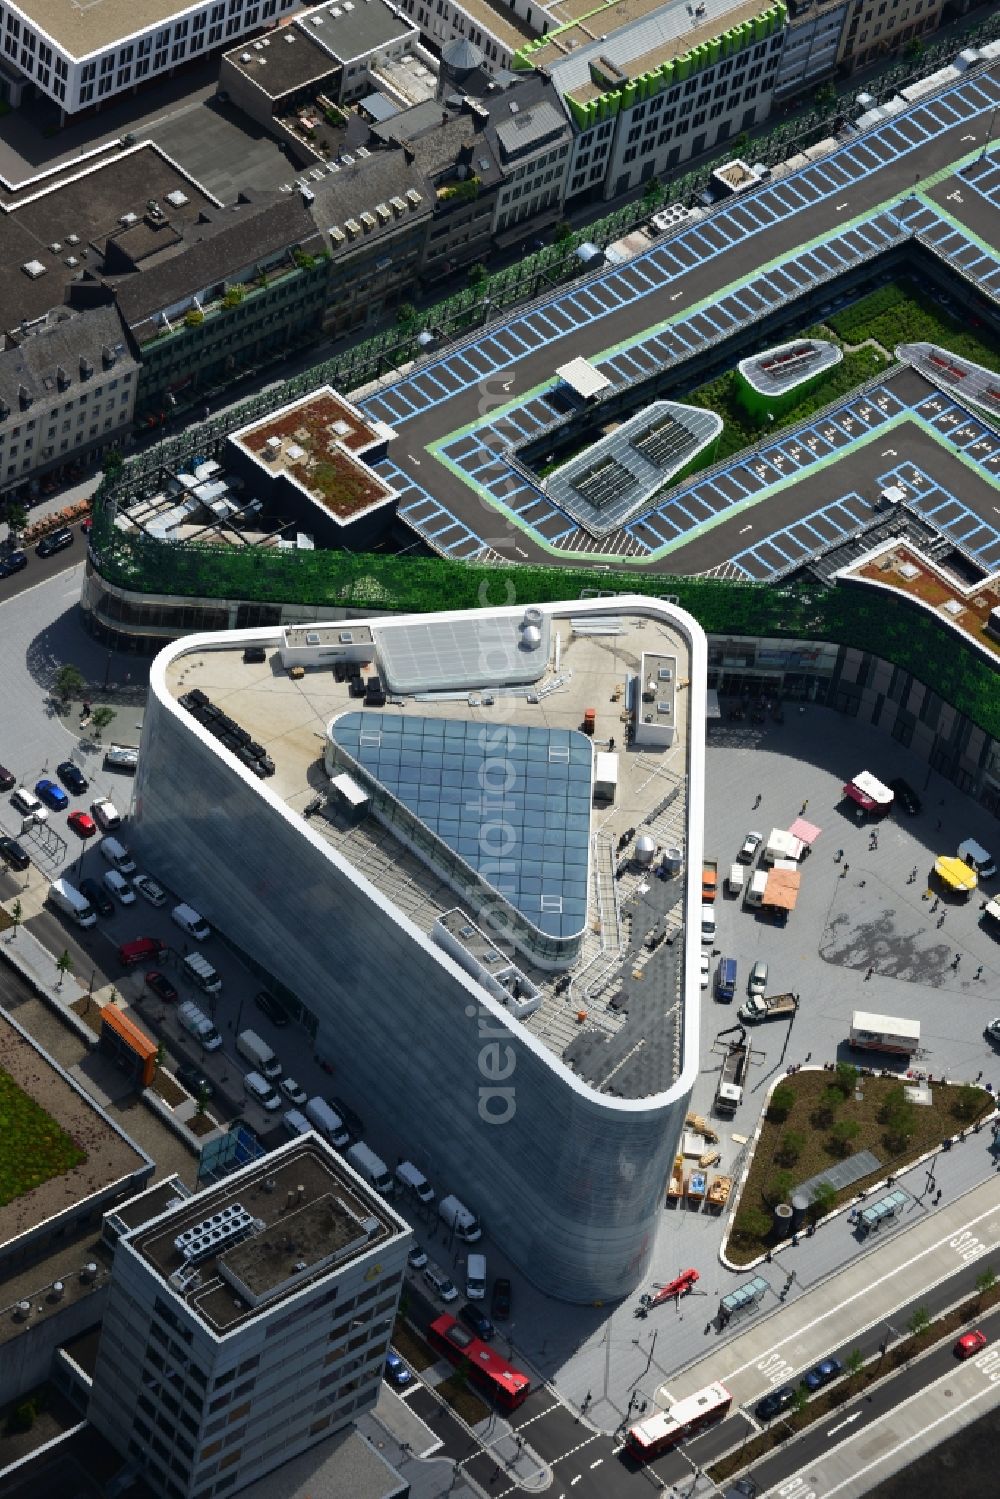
[(949, 514)]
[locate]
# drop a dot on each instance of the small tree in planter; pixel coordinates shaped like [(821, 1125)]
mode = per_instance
[(100, 718), (69, 682), (64, 963)]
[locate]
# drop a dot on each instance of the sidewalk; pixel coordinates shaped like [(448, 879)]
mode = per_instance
[(863, 1294)]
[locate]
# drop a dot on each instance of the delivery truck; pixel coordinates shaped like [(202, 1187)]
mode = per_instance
[(709, 880), (255, 1050), (729, 1093), (888, 1033), (774, 1007)]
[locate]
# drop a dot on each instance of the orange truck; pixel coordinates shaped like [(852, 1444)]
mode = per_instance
[(709, 880)]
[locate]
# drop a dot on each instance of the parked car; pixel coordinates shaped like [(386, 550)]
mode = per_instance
[(56, 541), (396, 1372), (120, 887), (161, 986), (706, 970), (352, 1122), (154, 893), (52, 795), (500, 1302), (194, 1080), (751, 844), (757, 982), (906, 796), (98, 897), (293, 1091), (417, 1257), (970, 1343), (992, 1031), (8, 780), (105, 814), (13, 854), (82, 824), (481, 1325), (272, 1008), (821, 1374), (775, 1402), (72, 777), (13, 563)]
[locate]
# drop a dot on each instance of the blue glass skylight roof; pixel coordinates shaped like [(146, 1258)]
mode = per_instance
[(512, 801)]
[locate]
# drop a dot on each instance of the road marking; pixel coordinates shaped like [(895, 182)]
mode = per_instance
[(744, 530), (841, 206), (676, 295), (575, 1480), (597, 1464), (846, 1422), (928, 1251), (890, 453), (413, 460)]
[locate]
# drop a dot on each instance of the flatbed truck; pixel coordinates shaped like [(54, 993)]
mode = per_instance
[(773, 1007)]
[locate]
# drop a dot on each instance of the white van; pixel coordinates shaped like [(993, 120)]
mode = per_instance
[(440, 1282), (198, 970), (259, 1089), (414, 1181), (370, 1166), (708, 923), (189, 920), (328, 1122), (475, 1277), (456, 1216), (119, 887), (735, 879), (118, 856), (27, 803), (67, 898)]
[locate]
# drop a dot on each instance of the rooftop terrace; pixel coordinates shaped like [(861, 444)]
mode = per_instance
[(317, 443), (966, 607), (264, 1233), (677, 28), (627, 979)]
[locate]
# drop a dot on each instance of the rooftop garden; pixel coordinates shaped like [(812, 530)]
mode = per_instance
[(337, 480), (33, 1147)]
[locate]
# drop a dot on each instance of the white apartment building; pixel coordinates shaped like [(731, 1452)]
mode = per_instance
[(248, 1322), (664, 89), (84, 55), (812, 45)]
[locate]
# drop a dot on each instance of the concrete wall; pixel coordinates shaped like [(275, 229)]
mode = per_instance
[(26, 1356)]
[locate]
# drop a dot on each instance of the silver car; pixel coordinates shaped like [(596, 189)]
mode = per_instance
[(757, 982)]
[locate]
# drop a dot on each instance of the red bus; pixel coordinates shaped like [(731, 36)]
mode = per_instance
[(685, 1418), (507, 1386)]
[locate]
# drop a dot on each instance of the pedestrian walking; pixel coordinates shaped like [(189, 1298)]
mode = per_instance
[(839, 855), (758, 801), (804, 806), (846, 868), (979, 1076), (958, 958), (869, 974), (913, 874), (978, 975), (939, 824)]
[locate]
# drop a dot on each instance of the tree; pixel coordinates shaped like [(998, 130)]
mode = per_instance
[(781, 1104), (16, 911), (823, 1197), (846, 1078), (201, 1102), (967, 1102), (854, 1363), (476, 273), (101, 717), (824, 1112), (843, 1132), (562, 232), (652, 193), (779, 1187), (406, 315), (752, 1225), (64, 963), (984, 1284), (234, 295), (900, 1127), (824, 96), (919, 1322), (69, 682), (790, 1147), (16, 516)]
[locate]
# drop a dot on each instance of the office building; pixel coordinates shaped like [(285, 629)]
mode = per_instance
[(875, 28), (478, 862), (84, 56), (248, 1322)]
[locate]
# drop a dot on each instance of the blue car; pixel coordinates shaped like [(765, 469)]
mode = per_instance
[(12, 563), (396, 1372), (52, 795), (821, 1374), (478, 1321)]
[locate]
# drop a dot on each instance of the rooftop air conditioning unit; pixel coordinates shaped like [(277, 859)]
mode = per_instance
[(72, 239), (33, 268), (128, 219), (245, 57), (55, 247)]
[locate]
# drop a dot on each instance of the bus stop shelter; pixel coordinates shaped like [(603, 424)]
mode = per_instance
[(883, 1210), (744, 1298)]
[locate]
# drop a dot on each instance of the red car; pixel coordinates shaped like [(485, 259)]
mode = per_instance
[(161, 987), (82, 824), (970, 1343)]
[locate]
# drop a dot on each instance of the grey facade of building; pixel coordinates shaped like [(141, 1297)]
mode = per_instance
[(811, 46), (570, 1179)]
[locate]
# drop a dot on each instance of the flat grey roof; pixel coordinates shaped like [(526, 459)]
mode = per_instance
[(291, 58), (323, 1217), (352, 28), (458, 652)]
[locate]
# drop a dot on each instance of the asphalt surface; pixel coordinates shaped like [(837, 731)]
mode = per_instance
[(41, 568), (590, 1463), (701, 282)]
